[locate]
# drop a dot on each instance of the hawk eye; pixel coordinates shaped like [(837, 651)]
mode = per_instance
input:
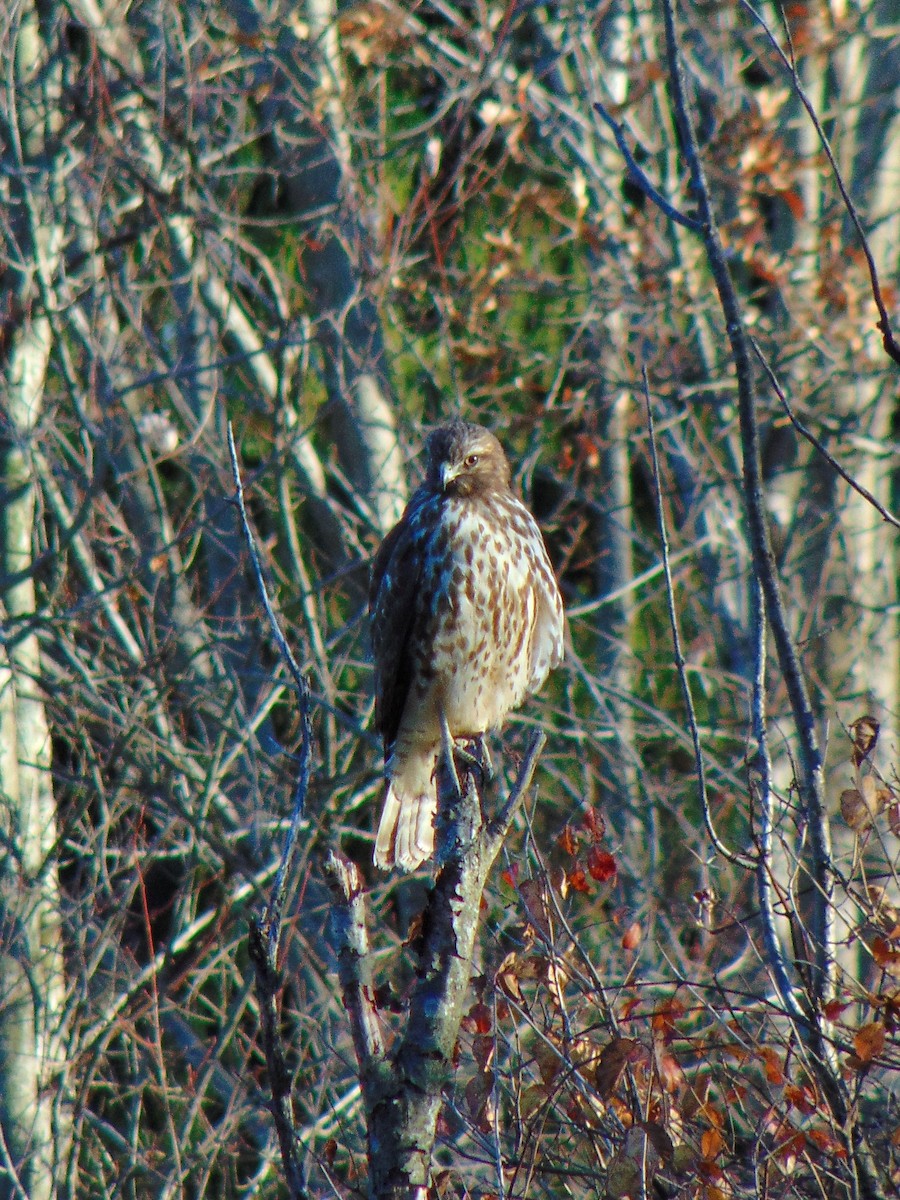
[(471, 460)]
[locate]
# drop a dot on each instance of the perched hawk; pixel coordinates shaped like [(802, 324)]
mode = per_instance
[(467, 619)]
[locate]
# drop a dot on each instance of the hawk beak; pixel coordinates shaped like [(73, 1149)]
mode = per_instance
[(448, 473)]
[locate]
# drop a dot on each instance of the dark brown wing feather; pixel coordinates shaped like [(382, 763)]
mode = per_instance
[(392, 607)]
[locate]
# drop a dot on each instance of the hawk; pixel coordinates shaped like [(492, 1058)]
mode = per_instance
[(467, 620)]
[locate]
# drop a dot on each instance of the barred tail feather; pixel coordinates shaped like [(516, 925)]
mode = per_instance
[(405, 836)]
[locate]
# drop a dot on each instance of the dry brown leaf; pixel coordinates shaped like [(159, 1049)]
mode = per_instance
[(658, 1139), (483, 1051), (613, 1059), (548, 1060), (696, 1096), (860, 806), (865, 737), (479, 1100), (533, 896)]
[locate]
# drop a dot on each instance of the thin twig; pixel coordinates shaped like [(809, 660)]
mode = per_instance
[(268, 986), (272, 919), (814, 441), (499, 826), (731, 856), (640, 179), (888, 340)]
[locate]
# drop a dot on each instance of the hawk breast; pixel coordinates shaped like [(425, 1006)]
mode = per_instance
[(496, 613)]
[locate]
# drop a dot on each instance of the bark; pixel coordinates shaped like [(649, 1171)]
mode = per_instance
[(33, 1115)]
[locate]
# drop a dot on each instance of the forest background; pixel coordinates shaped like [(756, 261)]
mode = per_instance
[(334, 225)]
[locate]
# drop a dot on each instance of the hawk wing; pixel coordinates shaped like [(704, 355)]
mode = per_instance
[(396, 574)]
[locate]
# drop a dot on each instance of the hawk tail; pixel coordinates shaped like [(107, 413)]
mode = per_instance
[(405, 836)]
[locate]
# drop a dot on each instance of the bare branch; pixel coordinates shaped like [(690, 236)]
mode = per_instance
[(272, 920), (352, 941), (265, 932), (814, 441), (812, 782), (639, 177), (889, 341), (680, 665)]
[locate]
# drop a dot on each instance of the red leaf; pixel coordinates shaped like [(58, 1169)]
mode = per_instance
[(478, 1019), (601, 865)]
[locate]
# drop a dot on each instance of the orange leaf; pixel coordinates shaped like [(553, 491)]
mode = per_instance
[(630, 1006), (824, 1140), (868, 1041), (711, 1143), (886, 956), (566, 841), (670, 1073), (577, 880), (801, 1098), (772, 1060), (793, 198), (631, 938)]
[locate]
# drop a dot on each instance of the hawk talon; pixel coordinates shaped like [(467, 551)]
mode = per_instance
[(479, 756), (449, 749)]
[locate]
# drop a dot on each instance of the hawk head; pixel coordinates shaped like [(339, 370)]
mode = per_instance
[(466, 460)]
